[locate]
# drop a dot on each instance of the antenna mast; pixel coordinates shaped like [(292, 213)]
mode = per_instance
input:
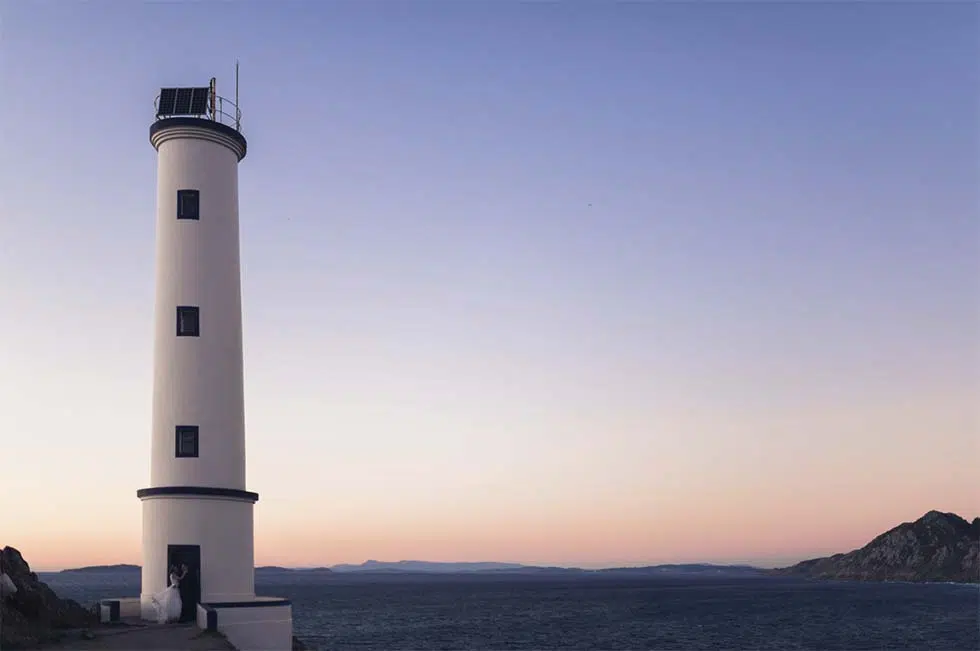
[(238, 111)]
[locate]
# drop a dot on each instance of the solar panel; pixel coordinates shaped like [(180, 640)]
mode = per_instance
[(199, 101), (167, 98), (183, 101), (183, 104)]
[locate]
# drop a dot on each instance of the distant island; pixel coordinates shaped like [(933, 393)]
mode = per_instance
[(428, 567), (127, 568), (938, 547), (425, 566), (122, 567)]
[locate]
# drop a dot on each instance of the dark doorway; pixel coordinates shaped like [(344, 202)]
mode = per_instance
[(190, 585)]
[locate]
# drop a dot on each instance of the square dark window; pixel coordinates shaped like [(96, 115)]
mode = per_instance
[(188, 204), (187, 440), (188, 321)]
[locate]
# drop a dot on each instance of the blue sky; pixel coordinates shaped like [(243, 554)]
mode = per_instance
[(514, 273)]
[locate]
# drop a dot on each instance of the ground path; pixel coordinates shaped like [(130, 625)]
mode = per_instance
[(141, 636)]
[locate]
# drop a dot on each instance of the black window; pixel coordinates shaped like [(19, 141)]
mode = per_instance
[(187, 440), (188, 321), (188, 204)]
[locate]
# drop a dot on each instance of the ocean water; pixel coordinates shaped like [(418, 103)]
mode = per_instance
[(544, 613)]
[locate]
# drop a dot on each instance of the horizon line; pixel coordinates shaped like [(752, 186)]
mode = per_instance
[(761, 564)]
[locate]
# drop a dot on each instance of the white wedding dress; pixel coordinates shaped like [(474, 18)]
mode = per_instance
[(167, 603)]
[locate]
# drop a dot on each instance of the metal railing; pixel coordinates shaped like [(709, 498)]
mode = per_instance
[(221, 110)]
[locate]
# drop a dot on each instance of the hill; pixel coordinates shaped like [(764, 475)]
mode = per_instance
[(425, 566), (135, 569), (89, 569), (688, 569), (938, 546), (428, 567)]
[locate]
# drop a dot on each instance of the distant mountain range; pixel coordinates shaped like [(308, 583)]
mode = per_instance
[(105, 568), (426, 567), (936, 547)]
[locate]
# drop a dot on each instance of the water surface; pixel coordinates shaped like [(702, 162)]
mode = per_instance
[(588, 612)]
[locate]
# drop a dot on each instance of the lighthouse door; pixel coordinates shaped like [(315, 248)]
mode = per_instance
[(190, 585)]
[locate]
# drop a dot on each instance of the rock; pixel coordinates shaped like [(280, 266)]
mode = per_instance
[(936, 547), (7, 586), (33, 614), (298, 645)]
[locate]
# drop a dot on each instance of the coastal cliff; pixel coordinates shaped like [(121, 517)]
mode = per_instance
[(30, 612), (938, 547)]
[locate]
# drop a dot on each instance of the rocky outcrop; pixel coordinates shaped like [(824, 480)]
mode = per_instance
[(32, 614), (936, 547)]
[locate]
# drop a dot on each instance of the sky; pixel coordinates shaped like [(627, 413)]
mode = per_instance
[(577, 283)]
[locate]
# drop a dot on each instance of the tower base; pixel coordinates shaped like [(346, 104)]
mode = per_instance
[(209, 531), (259, 624)]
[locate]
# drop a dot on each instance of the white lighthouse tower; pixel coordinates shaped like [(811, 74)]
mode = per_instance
[(196, 511)]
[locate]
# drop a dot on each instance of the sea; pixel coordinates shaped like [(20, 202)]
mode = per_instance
[(487, 612)]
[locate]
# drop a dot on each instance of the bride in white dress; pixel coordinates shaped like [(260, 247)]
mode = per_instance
[(167, 603)]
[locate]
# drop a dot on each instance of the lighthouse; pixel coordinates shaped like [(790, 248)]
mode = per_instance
[(197, 510)]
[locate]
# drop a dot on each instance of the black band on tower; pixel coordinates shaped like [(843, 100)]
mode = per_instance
[(198, 491)]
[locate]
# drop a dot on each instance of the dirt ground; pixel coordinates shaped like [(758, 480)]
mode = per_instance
[(156, 637)]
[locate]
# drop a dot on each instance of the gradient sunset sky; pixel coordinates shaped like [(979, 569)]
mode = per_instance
[(574, 283)]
